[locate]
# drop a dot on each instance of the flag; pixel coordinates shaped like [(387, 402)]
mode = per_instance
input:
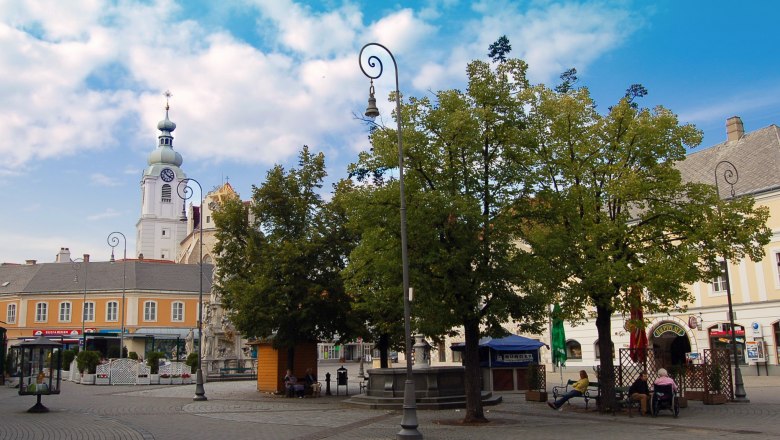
[(558, 338), (638, 341)]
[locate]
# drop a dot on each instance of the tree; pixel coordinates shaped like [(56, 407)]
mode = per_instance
[(463, 152), (610, 214), (279, 260), (500, 49)]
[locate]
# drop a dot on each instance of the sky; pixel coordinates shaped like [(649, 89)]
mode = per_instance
[(82, 87)]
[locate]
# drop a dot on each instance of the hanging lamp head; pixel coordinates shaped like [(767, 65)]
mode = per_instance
[(372, 111)]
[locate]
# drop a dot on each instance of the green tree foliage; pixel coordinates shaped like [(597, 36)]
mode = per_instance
[(463, 153), (280, 258), (609, 213)]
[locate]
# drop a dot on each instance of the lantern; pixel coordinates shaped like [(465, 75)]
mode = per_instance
[(40, 361)]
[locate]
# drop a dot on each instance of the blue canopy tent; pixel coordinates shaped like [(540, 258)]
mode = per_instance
[(509, 351), (504, 361)]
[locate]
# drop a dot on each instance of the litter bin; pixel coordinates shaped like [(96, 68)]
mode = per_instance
[(341, 380)]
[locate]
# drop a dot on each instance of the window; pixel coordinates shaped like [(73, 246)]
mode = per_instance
[(598, 351), (89, 311), (177, 311), (720, 284), (41, 312), (163, 254), (64, 312), (776, 328), (112, 311), (573, 349), (166, 232), (150, 311), (166, 193), (208, 219), (10, 314), (457, 356)]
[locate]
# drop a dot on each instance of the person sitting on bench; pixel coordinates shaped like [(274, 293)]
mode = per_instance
[(579, 389), (291, 385)]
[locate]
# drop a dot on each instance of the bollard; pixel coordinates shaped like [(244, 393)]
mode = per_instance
[(327, 384)]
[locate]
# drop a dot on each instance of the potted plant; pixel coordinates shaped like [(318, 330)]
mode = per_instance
[(176, 379), (192, 362), (87, 362), (153, 361), (715, 396), (165, 379), (536, 391), (186, 378)]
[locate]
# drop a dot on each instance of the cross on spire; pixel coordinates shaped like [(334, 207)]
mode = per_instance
[(168, 95)]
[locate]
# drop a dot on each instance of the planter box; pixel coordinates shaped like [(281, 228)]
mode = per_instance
[(154, 379), (165, 381), (535, 396), (715, 399), (186, 380), (176, 381), (88, 379), (102, 379), (694, 395)]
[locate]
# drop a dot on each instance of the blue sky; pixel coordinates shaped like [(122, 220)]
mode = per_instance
[(81, 89)]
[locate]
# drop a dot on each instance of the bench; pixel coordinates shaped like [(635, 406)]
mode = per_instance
[(236, 371), (593, 391)]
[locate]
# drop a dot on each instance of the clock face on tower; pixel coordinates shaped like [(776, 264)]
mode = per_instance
[(167, 174)]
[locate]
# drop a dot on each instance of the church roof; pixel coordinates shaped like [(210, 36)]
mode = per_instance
[(104, 276)]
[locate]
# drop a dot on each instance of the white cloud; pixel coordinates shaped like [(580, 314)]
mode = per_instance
[(108, 213), (103, 180)]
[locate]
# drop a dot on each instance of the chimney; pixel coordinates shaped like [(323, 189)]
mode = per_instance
[(734, 128), (63, 256), (86, 258), (30, 262)]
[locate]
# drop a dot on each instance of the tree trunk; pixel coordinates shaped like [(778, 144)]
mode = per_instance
[(291, 359), (384, 344), (606, 375), (473, 376)]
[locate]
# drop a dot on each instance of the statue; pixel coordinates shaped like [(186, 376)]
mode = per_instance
[(208, 346), (189, 342)]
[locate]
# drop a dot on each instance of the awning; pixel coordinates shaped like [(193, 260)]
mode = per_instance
[(507, 343)]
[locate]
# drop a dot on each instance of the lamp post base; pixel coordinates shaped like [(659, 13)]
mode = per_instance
[(409, 420), (740, 396), (200, 392)]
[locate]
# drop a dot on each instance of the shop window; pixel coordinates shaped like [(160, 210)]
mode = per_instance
[(573, 350)]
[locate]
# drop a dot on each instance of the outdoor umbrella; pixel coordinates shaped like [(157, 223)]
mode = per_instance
[(638, 341), (558, 339)]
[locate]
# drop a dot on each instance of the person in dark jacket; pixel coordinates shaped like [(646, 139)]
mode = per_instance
[(639, 391)]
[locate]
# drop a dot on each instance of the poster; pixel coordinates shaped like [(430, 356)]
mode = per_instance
[(755, 351)]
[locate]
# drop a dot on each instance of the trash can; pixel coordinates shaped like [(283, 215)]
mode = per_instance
[(341, 380)]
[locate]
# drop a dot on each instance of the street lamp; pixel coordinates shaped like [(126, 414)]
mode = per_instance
[(113, 241), (731, 176), (409, 420), (76, 266), (186, 192)]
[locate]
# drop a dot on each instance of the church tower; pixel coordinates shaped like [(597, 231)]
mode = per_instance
[(160, 230)]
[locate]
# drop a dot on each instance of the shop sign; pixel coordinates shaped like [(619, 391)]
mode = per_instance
[(515, 357), (668, 327), (757, 330), (56, 332)]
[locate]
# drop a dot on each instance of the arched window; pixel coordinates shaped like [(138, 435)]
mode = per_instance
[(573, 350), (598, 351), (166, 193)]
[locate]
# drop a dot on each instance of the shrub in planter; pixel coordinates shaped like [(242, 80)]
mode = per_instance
[(133, 355), (535, 392), (153, 361), (87, 361), (192, 361), (67, 358)]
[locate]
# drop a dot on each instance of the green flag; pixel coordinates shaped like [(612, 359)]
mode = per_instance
[(558, 338)]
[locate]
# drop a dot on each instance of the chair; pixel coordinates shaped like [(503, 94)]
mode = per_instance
[(664, 398)]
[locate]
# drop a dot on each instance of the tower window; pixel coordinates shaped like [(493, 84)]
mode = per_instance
[(166, 193)]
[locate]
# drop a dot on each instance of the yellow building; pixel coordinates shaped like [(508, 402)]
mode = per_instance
[(155, 302)]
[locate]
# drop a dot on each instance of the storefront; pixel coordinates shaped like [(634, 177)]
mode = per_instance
[(720, 337), (670, 343)]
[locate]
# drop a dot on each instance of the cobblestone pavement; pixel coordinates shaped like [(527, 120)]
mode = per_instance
[(236, 411)]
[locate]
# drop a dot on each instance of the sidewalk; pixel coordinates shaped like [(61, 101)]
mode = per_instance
[(234, 410)]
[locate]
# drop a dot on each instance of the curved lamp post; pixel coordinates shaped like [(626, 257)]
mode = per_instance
[(731, 176), (185, 192), (409, 421), (77, 267), (113, 241)]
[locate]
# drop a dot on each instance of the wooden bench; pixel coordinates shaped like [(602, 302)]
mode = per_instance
[(593, 391)]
